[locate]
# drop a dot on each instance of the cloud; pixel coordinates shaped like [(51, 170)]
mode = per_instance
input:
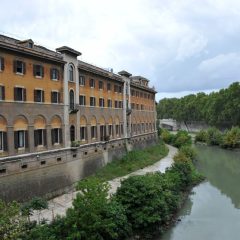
[(178, 45)]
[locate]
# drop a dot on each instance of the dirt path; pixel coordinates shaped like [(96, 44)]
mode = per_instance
[(59, 205)]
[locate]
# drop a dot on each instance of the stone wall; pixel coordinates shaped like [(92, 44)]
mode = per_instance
[(51, 173)]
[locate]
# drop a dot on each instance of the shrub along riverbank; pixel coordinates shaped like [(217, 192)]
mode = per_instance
[(213, 136), (142, 206)]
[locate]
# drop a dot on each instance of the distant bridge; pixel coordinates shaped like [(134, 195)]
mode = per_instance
[(169, 124)]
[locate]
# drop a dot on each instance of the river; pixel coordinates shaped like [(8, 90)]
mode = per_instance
[(212, 210)]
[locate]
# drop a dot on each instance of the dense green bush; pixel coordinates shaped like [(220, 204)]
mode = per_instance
[(214, 136), (182, 138), (201, 136), (188, 151), (231, 139), (94, 215)]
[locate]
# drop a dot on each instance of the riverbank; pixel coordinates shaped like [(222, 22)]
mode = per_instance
[(59, 205)]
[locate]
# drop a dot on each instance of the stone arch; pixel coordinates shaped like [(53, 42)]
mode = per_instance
[(20, 123), (40, 122), (102, 121), (110, 120), (3, 123), (117, 121), (83, 121), (56, 122), (93, 121)]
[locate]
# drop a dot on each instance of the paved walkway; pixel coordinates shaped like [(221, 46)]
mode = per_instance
[(59, 205)]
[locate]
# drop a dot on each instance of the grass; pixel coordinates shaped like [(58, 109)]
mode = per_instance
[(132, 161)]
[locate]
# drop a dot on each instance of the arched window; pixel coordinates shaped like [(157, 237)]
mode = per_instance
[(71, 99), (71, 79), (72, 133)]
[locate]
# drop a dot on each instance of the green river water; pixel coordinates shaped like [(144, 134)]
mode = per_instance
[(212, 211)]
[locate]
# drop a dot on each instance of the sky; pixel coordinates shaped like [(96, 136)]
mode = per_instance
[(181, 46)]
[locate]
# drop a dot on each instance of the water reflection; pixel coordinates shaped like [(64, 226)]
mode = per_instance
[(212, 212)]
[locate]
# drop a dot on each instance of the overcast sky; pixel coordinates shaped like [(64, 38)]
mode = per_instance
[(182, 46)]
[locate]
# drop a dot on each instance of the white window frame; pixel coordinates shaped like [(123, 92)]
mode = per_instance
[(58, 136), (22, 67), (84, 133), (84, 100), (71, 73), (55, 74), (94, 98), (57, 92), (82, 81), (40, 145), (21, 146)]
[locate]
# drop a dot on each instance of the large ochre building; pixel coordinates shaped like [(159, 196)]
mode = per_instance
[(55, 108), (49, 99)]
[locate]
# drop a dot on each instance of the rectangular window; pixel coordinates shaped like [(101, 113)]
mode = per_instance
[(101, 102), (100, 85), (110, 130), (19, 94), (55, 97), (132, 105), (40, 137), (82, 80), (56, 135), (2, 93), (121, 129), (83, 133), (109, 86), (117, 130), (120, 104), (38, 70), (115, 88), (92, 83), (137, 106), (93, 132), (1, 63), (92, 101), (54, 74), (20, 139), (102, 133), (109, 103), (82, 100), (120, 89), (116, 104), (19, 67), (38, 95), (142, 107)]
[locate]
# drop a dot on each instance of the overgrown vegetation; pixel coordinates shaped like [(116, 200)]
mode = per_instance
[(182, 138), (212, 136), (132, 161), (220, 109), (142, 206)]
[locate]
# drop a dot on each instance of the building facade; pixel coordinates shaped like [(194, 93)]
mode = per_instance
[(52, 102)]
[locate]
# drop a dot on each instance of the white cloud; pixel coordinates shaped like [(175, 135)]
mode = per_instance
[(157, 39)]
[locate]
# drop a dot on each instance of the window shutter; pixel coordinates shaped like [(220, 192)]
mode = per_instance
[(52, 97), (15, 66), (16, 140), (35, 95), (58, 97), (24, 67), (60, 135), (43, 97), (42, 71), (24, 94), (5, 145), (2, 64), (51, 73), (34, 70), (57, 74), (44, 137), (26, 139), (35, 138), (52, 136), (3, 93), (15, 94)]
